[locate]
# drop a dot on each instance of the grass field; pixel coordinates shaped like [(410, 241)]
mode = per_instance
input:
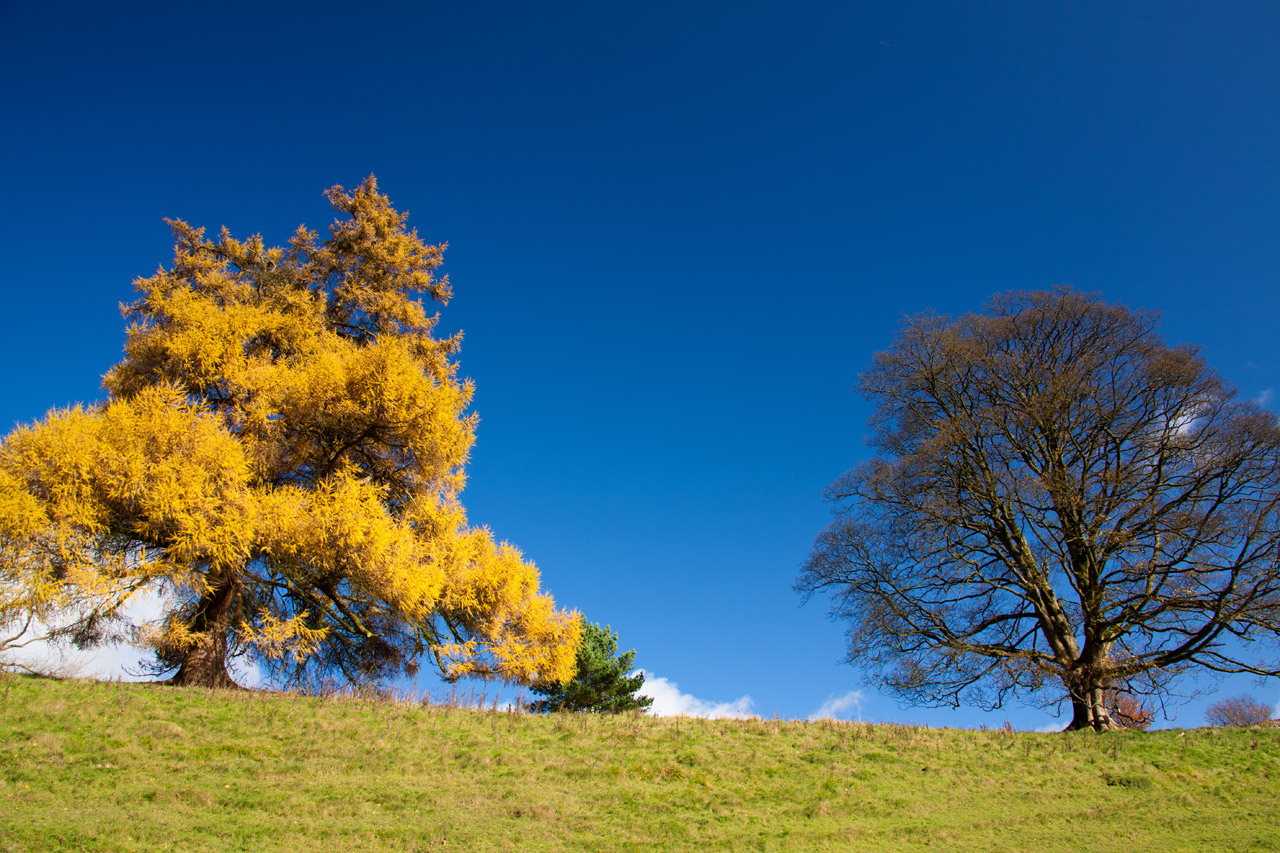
[(109, 766)]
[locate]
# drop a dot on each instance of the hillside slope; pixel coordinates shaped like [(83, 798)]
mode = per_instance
[(121, 767)]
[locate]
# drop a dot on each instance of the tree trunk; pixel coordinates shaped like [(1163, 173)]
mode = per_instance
[(1088, 709), (205, 665)]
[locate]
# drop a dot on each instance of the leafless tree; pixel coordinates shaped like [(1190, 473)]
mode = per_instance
[(1237, 711), (1059, 506)]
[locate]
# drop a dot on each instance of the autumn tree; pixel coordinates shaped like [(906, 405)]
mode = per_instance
[(280, 456), (1127, 711), (31, 600), (600, 684), (1059, 505)]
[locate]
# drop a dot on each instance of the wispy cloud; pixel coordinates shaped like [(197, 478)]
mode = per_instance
[(843, 707), (1266, 397), (114, 661), (668, 701), (1051, 728)]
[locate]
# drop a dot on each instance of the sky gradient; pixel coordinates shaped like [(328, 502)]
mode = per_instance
[(677, 233)]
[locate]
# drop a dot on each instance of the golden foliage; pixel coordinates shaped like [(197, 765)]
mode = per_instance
[(282, 452)]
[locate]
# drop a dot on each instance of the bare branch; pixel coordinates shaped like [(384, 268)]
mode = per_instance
[(1056, 498)]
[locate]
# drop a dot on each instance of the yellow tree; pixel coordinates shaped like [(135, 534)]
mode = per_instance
[(280, 456)]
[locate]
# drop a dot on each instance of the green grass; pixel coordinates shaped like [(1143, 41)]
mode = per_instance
[(109, 766)]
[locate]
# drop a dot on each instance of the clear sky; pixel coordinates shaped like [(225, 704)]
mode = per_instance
[(677, 233)]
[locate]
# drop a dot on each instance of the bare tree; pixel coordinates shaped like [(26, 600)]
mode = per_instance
[(1059, 505), (1237, 711)]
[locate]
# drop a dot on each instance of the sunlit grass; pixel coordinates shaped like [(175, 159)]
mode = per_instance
[(109, 766)]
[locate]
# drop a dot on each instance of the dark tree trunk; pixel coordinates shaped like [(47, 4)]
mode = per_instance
[(1088, 709), (205, 665)]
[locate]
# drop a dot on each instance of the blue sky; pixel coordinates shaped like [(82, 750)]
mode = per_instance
[(677, 233)]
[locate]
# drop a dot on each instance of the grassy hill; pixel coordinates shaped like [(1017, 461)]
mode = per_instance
[(109, 766)]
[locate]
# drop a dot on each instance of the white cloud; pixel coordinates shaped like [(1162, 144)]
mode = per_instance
[(1265, 398), (117, 661), (112, 661), (1051, 728), (668, 701), (1186, 424), (843, 707)]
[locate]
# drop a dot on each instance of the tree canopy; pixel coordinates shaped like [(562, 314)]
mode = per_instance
[(280, 457), (601, 684), (1059, 505)]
